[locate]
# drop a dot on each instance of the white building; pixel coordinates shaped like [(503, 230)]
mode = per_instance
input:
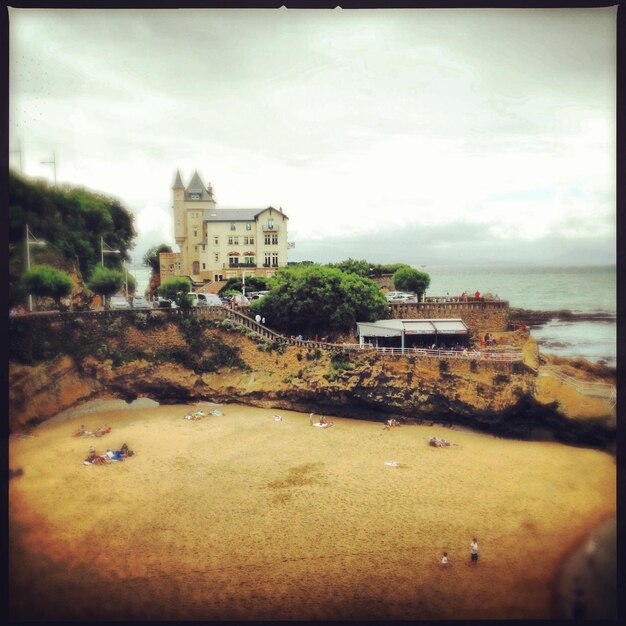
[(219, 243)]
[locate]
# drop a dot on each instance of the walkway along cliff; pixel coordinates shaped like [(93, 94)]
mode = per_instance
[(215, 354)]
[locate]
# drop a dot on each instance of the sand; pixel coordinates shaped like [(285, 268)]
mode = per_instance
[(242, 517)]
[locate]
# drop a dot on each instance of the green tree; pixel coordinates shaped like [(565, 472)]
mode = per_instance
[(318, 300), (351, 266), (151, 257), (47, 282), (71, 219), (253, 283), (408, 279), (177, 288), (105, 281)]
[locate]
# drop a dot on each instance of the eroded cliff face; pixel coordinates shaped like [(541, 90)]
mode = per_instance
[(223, 366)]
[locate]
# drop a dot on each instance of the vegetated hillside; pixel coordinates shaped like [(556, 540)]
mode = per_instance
[(71, 220), (188, 359)]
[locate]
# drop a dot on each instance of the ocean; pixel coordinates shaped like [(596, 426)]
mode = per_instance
[(577, 289)]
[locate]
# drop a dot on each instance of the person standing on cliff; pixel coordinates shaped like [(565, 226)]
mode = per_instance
[(474, 550)]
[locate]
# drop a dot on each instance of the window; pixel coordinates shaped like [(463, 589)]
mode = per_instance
[(236, 240), (267, 259), (204, 266), (232, 226), (274, 259), (217, 257), (248, 259), (230, 241), (248, 226), (251, 241), (274, 240), (216, 240), (194, 196), (195, 232), (245, 241), (270, 223), (268, 238)]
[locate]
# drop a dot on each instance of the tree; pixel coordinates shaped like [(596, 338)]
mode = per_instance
[(253, 283), (177, 289), (47, 282), (351, 266), (105, 281), (318, 300), (408, 279), (151, 257)]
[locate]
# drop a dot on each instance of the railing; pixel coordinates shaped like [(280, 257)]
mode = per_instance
[(601, 390), (472, 355)]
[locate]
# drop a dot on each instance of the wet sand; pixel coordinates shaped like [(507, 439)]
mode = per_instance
[(241, 517)]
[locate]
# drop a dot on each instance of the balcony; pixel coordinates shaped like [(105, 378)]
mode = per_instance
[(270, 227), (237, 264)]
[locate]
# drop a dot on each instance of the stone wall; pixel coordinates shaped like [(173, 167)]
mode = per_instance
[(480, 317)]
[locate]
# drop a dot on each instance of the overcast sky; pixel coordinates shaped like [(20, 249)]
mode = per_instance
[(417, 136)]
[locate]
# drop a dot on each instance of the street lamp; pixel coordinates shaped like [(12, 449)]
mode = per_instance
[(31, 242), (108, 250)]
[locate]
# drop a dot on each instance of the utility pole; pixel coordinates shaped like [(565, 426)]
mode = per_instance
[(53, 162), (19, 151)]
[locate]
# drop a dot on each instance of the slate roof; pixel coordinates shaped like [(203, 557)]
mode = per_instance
[(235, 215), (178, 183)]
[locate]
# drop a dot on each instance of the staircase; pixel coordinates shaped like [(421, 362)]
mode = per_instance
[(212, 287)]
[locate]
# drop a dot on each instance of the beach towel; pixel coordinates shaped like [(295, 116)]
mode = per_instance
[(327, 425), (393, 463)]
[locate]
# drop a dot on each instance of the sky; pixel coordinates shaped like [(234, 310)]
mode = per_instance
[(422, 136)]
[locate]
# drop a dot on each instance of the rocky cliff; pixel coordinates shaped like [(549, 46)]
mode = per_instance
[(190, 360)]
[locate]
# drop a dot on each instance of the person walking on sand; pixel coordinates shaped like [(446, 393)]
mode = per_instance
[(444, 559), (474, 550), (310, 419)]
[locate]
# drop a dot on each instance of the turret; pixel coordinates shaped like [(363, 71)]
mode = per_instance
[(178, 197)]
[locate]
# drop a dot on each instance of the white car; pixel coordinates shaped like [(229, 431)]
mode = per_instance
[(118, 302), (139, 302), (198, 299), (402, 297)]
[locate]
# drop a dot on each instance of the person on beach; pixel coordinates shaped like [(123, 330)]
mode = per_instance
[(322, 419), (80, 432), (444, 559), (125, 451), (311, 419), (115, 455), (94, 459), (474, 550)]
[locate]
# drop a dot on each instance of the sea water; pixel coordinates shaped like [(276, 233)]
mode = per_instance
[(577, 289)]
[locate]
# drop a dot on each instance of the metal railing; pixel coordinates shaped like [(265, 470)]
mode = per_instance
[(472, 355), (601, 390)]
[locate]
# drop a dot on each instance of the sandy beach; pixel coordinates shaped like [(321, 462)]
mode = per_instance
[(243, 517)]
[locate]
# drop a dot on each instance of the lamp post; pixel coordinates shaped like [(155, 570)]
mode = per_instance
[(31, 242), (108, 250)]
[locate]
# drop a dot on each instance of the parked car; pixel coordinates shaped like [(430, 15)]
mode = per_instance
[(402, 297), (139, 302), (212, 299), (238, 299), (198, 299), (164, 303), (118, 302)]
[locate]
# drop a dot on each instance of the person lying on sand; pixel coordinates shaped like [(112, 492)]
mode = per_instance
[(438, 443), (277, 418), (102, 430), (115, 455), (95, 459), (81, 431), (216, 412), (125, 451)]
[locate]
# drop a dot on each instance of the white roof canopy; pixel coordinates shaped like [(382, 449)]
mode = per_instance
[(397, 328)]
